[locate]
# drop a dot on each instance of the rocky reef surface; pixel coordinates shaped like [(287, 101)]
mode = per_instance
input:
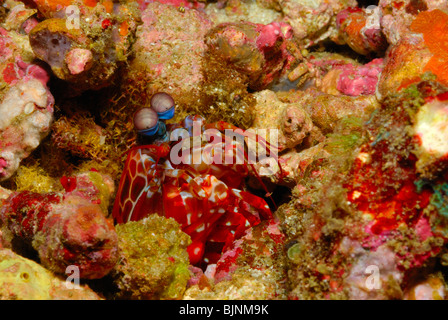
[(348, 101)]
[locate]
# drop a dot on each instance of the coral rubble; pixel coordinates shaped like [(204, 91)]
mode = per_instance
[(153, 259), (300, 149)]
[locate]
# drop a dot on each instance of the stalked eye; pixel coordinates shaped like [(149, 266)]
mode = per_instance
[(146, 121), (163, 104)]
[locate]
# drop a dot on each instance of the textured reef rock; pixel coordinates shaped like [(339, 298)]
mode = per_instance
[(431, 287), (24, 279), (338, 75), (169, 50), (64, 228), (303, 121), (430, 128), (84, 42), (361, 30), (400, 212), (392, 217), (356, 94), (206, 69), (313, 21), (256, 50), (293, 122), (153, 261), (26, 104), (382, 258), (354, 80), (417, 54), (397, 16), (254, 268), (263, 12), (28, 117)]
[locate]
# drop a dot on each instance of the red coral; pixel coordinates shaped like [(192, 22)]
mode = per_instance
[(65, 231), (386, 189), (26, 211)]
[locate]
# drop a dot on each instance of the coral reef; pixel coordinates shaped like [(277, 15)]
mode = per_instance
[(64, 229), (153, 259), (84, 42), (313, 21), (256, 50), (304, 121), (397, 17), (27, 120), (169, 51), (361, 30), (24, 279), (26, 102), (128, 130), (254, 268)]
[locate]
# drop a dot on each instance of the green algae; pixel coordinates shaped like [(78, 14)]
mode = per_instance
[(440, 199), (153, 259)]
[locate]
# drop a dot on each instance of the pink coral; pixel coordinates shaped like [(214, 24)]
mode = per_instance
[(176, 3), (256, 50), (26, 104), (355, 81)]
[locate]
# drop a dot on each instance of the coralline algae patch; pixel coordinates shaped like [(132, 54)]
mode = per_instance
[(353, 180), (434, 27)]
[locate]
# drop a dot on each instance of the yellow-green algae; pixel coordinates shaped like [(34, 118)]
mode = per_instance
[(153, 259), (34, 178), (24, 279)]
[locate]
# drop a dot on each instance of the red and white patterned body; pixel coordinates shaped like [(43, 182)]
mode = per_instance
[(204, 198)]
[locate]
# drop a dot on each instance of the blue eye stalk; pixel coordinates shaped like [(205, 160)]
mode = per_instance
[(151, 131), (166, 115), (150, 122)]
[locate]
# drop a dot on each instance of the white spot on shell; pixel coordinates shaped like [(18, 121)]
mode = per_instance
[(29, 108)]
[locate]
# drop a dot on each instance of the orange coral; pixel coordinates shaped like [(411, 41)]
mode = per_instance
[(53, 4), (90, 3), (49, 8), (108, 4), (434, 26), (352, 30)]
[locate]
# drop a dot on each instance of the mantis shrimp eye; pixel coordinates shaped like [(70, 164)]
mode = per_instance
[(163, 104), (146, 121)]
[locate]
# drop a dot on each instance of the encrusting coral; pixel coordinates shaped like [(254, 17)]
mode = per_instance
[(352, 180), (64, 228), (26, 103), (153, 260)]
